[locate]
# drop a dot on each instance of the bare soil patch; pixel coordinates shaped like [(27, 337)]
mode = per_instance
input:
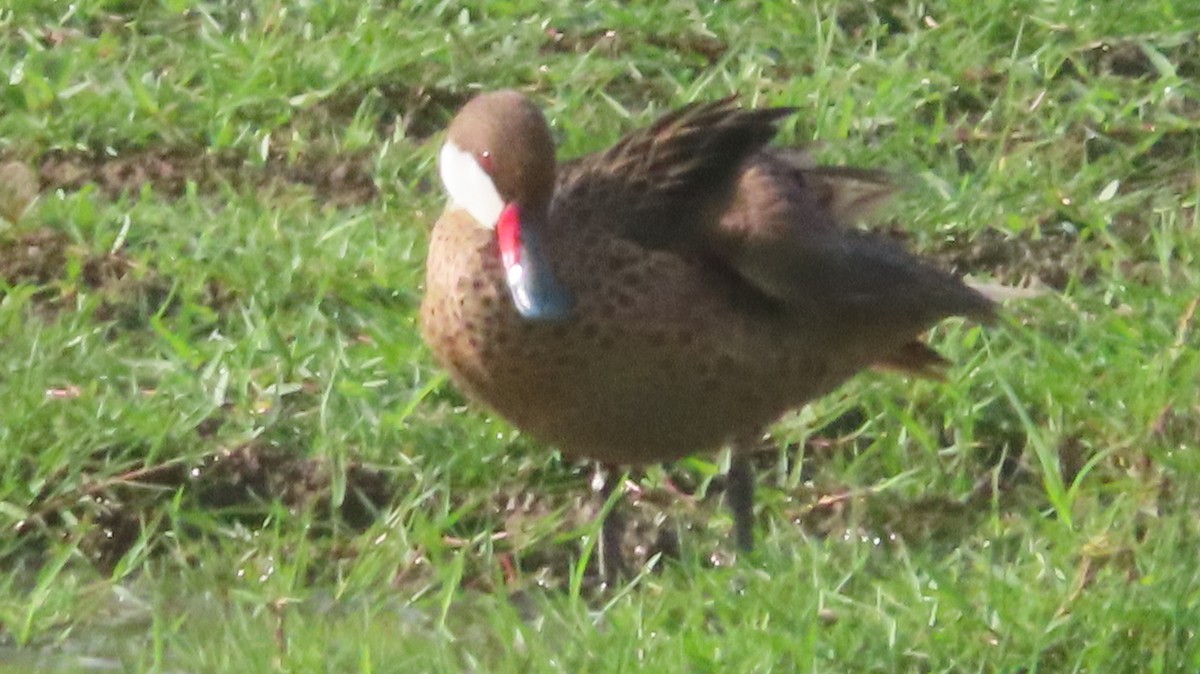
[(336, 180)]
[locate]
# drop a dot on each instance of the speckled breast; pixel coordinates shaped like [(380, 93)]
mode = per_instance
[(661, 357)]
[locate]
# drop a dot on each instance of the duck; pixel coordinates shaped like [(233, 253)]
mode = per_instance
[(674, 294)]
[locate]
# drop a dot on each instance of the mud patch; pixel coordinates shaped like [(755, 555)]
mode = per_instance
[(60, 270), (846, 512), (537, 528), (533, 528), (18, 189), (1178, 425), (704, 47), (235, 485), (419, 112), (858, 19), (336, 180), (36, 258), (256, 474), (1053, 257), (1136, 58)]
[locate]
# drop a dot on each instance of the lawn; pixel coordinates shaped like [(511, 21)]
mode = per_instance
[(223, 447)]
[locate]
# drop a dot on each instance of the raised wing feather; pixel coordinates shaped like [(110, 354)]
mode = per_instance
[(666, 185), (701, 181)]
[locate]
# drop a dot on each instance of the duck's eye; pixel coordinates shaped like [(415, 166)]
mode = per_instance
[(485, 161)]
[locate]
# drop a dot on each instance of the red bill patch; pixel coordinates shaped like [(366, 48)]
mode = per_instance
[(508, 235)]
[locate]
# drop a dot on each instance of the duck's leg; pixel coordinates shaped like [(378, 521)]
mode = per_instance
[(739, 494), (612, 529)]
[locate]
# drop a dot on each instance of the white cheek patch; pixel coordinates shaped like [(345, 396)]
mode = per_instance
[(469, 186)]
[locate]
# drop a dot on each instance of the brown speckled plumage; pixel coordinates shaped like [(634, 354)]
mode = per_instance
[(716, 286)]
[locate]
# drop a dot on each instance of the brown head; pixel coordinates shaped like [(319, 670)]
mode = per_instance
[(497, 164), (498, 143)]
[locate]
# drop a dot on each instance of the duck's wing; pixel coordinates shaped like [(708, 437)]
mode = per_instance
[(787, 232), (666, 185), (701, 181)]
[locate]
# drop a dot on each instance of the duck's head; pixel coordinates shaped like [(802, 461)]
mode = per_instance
[(498, 165)]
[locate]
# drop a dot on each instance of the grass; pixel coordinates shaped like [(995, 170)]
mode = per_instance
[(223, 446)]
